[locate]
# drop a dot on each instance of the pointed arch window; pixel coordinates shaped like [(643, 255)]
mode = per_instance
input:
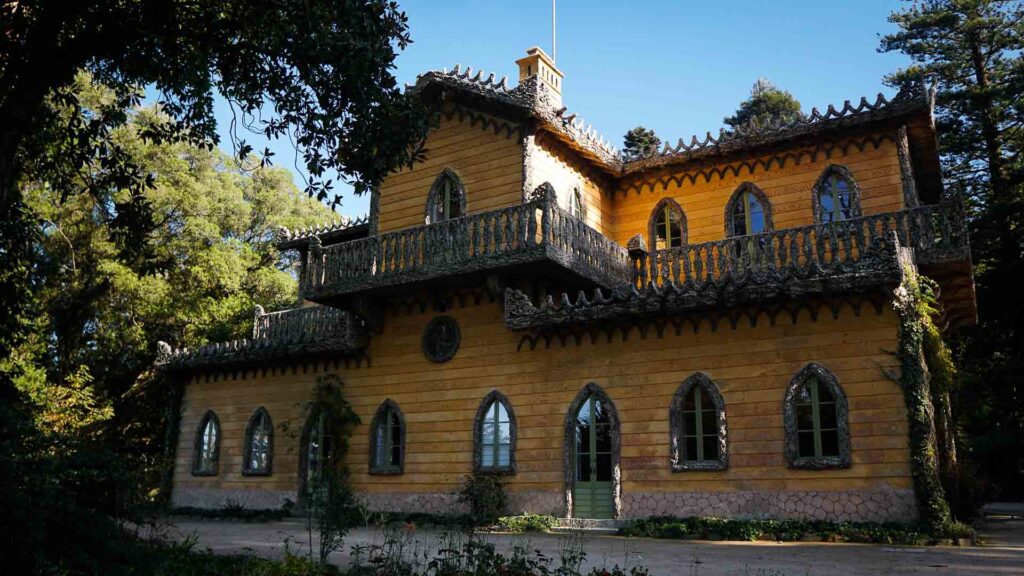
[(576, 204), (816, 419), (258, 451), (447, 198), (592, 456), (697, 426), (748, 211), (207, 446), (387, 440), (836, 195), (317, 447), (667, 225), (494, 438)]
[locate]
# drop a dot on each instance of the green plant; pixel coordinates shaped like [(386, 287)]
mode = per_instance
[(527, 522), (486, 497)]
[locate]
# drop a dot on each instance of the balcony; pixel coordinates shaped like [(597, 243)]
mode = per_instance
[(860, 255), (295, 334), (535, 238)]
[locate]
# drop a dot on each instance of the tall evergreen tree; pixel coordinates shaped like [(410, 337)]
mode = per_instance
[(767, 104), (639, 143), (972, 50)]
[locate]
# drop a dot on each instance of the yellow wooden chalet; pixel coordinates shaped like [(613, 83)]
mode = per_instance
[(714, 329)]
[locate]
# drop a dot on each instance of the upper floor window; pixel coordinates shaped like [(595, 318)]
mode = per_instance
[(576, 203), (667, 225), (748, 211), (494, 438), (258, 448), (697, 426), (447, 198), (836, 195), (815, 416), (387, 440), (207, 446)]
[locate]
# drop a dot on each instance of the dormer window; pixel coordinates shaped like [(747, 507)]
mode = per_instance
[(447, 198)]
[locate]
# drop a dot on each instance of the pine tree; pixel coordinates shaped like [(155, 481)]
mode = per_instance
[(767, 105), (639, 143)]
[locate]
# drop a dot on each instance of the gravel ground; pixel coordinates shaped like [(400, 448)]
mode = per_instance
[(1004, 553)]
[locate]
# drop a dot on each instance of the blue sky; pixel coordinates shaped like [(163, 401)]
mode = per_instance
[(676, 67)]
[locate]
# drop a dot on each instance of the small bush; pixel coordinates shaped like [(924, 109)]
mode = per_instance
[(486, 497), (527, 522), (232, 511)]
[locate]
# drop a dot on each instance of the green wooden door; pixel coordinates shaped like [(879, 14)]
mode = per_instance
[(592, 493)]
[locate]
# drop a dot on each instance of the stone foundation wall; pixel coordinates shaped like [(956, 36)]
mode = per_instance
[(213, 498), (850, 506)]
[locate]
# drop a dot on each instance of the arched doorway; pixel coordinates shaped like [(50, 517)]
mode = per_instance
[(592, 456)]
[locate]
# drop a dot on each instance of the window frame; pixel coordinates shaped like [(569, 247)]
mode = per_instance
[(841, 172), (197, 470), (436, 204), (740, 195), (381, 417), (844, 459), (247, 448), (577, 206), (315, 414), (697, 381), (493, 398), (665, 206)]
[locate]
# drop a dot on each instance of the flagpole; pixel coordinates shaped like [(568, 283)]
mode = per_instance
[(554, 46)]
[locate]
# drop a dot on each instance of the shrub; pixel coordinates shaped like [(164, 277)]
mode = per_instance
[(527, 522), (485, 495)]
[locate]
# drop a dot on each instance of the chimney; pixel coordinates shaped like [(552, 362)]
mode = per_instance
[(538, 63)]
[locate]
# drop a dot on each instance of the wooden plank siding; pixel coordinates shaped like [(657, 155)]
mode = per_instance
[(877, 172), (553, 164), (490, 166), (751, 365)]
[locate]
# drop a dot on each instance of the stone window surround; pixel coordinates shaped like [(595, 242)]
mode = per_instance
[(826, 378), (478, 421), (446, 175), (209, 416), (568, 447), (652, 221), (701, 380), (247, 470), (387, 469), (844, 173), (424, 341), (307, 428), (737, 196)]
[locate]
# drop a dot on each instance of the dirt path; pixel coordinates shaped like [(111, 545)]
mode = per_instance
[(661, 557)]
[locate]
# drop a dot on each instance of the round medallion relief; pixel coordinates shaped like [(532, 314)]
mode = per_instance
[(441, 339)]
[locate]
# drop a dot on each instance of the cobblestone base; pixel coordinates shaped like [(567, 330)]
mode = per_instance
[(851, 506), (212, 498)]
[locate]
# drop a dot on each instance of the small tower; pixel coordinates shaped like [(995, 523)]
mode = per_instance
[(537, 62)]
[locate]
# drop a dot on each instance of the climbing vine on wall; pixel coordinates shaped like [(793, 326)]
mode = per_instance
[(917, 336)]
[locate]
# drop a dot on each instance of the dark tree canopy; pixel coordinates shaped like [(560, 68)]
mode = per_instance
[(972, 51), (767, 105), (639, 143)]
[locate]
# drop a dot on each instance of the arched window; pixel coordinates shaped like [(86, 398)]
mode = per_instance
[(836, 195), (592, 445), (387, 440), (748, 211), (317, 446), (447, 198), (697, 426), (576, 204), (494, 437), (258, 450), (207, 446), (815, 416), (667, 225)]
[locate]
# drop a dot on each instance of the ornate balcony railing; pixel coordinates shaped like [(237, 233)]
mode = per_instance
[(532, 232), (937, 233), (288, 334)]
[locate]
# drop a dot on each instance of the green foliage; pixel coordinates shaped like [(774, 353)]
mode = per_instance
[(972, 51), (527, 522), (767, 105), (790, 530), (486, 497), (639, 143), (233, 512)]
